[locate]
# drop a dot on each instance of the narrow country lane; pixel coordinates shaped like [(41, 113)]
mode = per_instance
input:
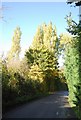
[(53, 106)]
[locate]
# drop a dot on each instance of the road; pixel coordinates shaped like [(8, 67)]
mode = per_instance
[(53, 106)]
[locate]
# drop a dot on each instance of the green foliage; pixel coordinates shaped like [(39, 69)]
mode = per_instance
[(73, 63), (72, 68)]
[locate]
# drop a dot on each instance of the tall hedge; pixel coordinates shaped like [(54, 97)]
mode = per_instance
[(73, 64)]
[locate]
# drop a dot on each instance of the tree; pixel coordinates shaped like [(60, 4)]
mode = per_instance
[(77, 2), (36, 73), (38, 38), (15, 48), (47, 35), (42, 56), (23, 68), (73, 64)]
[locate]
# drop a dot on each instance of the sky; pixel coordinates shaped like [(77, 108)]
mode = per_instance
[(29, 15)]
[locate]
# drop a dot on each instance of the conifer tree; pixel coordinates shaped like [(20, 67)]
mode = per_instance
[(73, 63)]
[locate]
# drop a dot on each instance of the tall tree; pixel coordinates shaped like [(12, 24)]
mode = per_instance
[(43, 55), (15, 48), (38, 38), (47, 35)]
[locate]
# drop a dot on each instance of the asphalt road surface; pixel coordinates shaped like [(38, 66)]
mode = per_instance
[(52, 106)]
